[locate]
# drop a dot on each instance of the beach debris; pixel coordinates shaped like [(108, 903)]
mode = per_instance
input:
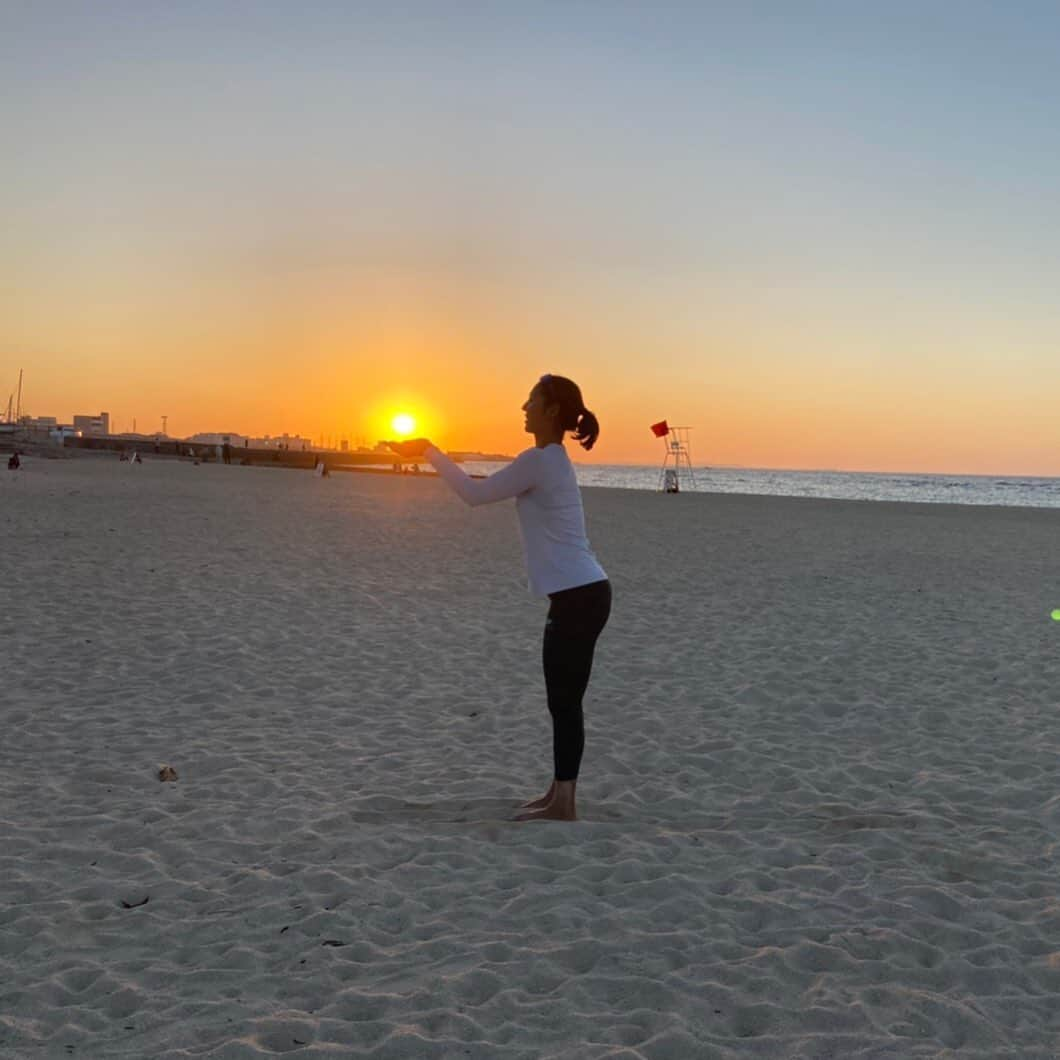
[(135, 905), (332, 942), (167, 773)]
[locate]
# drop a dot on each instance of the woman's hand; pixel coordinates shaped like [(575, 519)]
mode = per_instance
[(412, 449)]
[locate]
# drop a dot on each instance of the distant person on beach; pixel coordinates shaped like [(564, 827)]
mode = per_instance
[(559, 562), (13, 462)]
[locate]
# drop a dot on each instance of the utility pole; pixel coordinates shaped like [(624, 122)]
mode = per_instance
[(164, 418), (18, 411)]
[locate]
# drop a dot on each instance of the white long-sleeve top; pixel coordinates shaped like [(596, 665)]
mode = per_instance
[(549, 505)]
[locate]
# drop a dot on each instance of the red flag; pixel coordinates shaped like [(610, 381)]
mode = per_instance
[(660, 429)]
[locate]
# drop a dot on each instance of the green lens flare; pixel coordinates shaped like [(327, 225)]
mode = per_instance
[(1056, 616)]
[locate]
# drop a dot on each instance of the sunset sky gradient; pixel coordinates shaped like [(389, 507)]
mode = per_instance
[(825, 235)]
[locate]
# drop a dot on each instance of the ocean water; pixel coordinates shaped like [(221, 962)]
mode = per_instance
[(1007, 491)]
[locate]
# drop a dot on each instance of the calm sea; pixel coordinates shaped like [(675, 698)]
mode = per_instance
[(1009, 491)]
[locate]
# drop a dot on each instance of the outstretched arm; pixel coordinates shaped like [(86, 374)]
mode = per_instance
[(519, 476)]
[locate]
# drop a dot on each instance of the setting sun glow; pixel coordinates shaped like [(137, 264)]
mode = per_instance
[(403, 423), (500, 210)]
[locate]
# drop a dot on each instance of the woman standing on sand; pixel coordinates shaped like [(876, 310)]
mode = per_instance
[(559, 563)]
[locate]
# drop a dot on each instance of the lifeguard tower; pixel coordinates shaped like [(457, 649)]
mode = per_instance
[(677, 462)]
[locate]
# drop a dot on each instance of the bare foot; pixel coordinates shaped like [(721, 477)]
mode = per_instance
[(540, 804), (552, 812), (560, 806)]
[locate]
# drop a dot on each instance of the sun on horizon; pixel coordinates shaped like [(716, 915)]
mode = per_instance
[(403, 423)]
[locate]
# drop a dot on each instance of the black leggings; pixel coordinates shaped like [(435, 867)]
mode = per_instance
[(575, 619)]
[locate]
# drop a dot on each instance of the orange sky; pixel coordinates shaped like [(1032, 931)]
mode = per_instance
[(255, 367), (775, 383), (769, 229)]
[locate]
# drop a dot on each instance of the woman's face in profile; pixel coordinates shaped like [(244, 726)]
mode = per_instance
[(539, 415)]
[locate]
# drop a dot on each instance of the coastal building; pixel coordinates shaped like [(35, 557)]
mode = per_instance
[(216, 438), (460, 456), (282, 441), (93, 426), (39, 430), (293, 442)]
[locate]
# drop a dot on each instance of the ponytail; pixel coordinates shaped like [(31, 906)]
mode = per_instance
[(587, 430), (573, 415)]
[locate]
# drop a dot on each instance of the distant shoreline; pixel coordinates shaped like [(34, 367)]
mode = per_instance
[(293, 459)]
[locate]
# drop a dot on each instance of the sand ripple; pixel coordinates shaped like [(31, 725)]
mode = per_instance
[(819, 800)]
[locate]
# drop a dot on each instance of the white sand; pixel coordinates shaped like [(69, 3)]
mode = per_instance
[(819, 794)]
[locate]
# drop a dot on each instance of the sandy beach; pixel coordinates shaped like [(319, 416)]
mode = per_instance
[(819, 796)]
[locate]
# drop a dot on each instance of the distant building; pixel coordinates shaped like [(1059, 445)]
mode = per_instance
[(283, 441), (93, 426), (217, 438), (40, 430), (462, 457)]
